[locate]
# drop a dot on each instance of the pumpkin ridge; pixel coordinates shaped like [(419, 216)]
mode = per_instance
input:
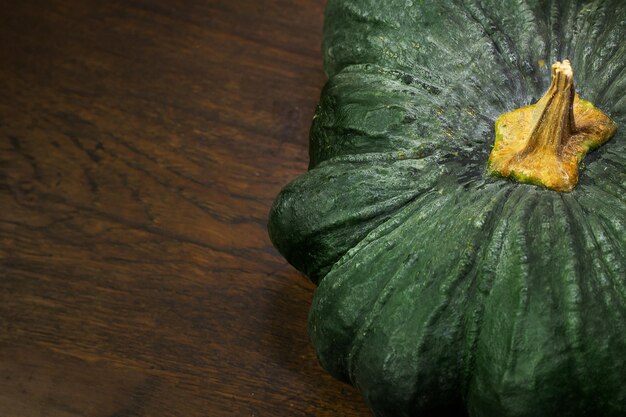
[(385, 292), (467, 273), (569, 22), (582, 224), (595, 36), (581, 25), (502, 49), (611, 80), (308, 242), (602, 291), (374, 234), (441, 310), (606, 190), (554, 32), (611, 40), (349, 121), (601, 188), (425, 152), (433, 86), (375, 213), (376, 310), (338, 279), (595, 288), (476, 310), (522, 308), (391, 205), (366, 18), (335, 280), (572, 288), (518, 210), (614, 277)]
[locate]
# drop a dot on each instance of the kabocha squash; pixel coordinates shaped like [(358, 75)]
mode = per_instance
[(451, 282)]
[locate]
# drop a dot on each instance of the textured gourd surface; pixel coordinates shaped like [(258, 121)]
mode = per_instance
[(442, 290)]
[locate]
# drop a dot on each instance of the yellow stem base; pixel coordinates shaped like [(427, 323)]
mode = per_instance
[(530, 148)]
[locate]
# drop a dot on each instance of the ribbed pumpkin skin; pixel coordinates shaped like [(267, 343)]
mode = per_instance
[(443, 291)]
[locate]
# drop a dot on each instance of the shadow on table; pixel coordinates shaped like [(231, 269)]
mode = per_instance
[(290, 348)]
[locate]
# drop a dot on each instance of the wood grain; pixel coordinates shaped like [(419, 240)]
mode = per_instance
[(141, 146)]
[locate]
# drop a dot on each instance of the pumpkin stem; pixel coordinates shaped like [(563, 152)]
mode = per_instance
[(543, 143), (553, 116)]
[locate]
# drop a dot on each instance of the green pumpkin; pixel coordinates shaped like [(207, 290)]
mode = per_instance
[(442, 289)]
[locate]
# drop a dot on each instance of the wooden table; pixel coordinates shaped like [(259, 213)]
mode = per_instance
[(141, 146)]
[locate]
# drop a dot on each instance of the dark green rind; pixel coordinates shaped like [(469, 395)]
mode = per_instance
[(442, 290), (313, 227)]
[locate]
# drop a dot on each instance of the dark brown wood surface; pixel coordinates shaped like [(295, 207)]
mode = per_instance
[(141, 145)]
